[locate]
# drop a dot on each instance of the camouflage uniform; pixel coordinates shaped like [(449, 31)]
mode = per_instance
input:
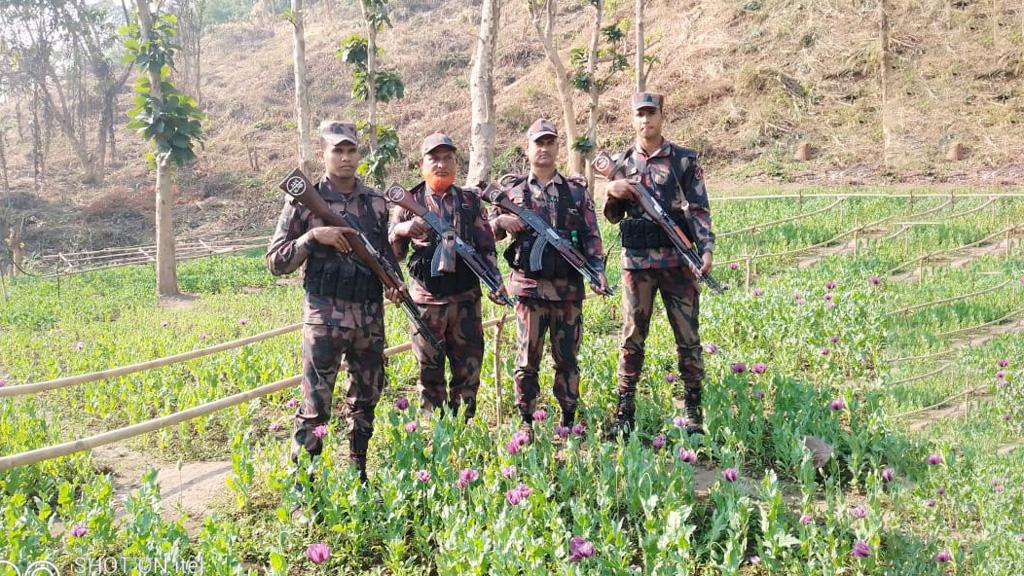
[(338, 332), (455, 318), (677, 181), (554, 303)]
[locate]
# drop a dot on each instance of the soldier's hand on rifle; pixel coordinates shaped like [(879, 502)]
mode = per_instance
[(415, 228), (499, 296), (394, 294), (707, 263), (333, 236), (510, 223), (621, 189), (603, 281)]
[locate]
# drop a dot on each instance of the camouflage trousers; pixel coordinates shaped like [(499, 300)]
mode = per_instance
[(564, 321), (458, 327), (327, 349), (680, 294)]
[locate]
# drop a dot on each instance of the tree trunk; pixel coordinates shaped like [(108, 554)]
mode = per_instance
[(371, 77), (481, 86), (166, 266), (38, 154), (3, 161), (595, 89), (641, 75), (301, 97), (545, 31), (883, 76)]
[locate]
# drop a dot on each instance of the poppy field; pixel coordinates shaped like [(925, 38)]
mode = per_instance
[(864, 408)]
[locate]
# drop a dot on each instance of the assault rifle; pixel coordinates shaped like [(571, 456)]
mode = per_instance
[(611, 169), (299, 187)]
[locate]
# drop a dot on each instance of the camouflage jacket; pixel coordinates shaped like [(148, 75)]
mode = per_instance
[(481, 238), (655, 171), (580, 217), (292, 244)]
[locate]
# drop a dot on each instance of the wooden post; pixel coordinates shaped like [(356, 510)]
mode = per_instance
[(856, 241), (749, 262), (498, 367)]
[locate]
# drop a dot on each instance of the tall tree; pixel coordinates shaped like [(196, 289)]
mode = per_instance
[(638, 62), (168, 118), (481, 87), (543, 14), (883, 78), (301, 91)]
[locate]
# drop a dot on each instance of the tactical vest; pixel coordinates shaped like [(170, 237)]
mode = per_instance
[(448, 283), (332, 274), (553, 265), (641, 233)]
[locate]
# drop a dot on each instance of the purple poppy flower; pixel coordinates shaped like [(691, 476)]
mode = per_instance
[(861, 549), (1002, 383), (754, 560), (292, 402), (1003, 362), (275, 426), (874, 280), (998, 487), (688, 456), (401, 403), (3, 382), (758, 292), (806, 519), (680, 421), (930, 502), (934, 459), (828, 296), (759, 368), (733, 265), (830, 305), (202, 337), (78, 531), (943, 557), (540, 415), (830, 285), (658, 442), (858, 512), (580, 548), (318, 553), (825, 351), (1001, 374), (730, 474), (508, 471), (579, 429), (466, 477), (1007, 417), (164, 324), (80, 346), (518, 494), (739, 368), (711, 348), (411, 426), (888, 474), (423, 475), (243, 321), (320, 431), (837, 405), (941, 491), (800, 301), (670, 378), (759, 394), (562, 431), (834, 339)]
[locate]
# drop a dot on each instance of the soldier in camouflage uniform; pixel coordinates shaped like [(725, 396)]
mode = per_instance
[(650, 264), (343, 316), (552, 297), (450, 303)]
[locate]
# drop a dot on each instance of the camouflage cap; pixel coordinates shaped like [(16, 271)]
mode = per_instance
[(541, 127), (435, 140), (647, 100), (334, 132)]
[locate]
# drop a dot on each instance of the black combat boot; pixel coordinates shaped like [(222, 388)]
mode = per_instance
[(568, 417), (624, 417), (693, 411), (358, 445)]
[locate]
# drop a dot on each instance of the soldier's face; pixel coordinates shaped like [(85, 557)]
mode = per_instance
[(647, 122), (342, 160), (543, 152), (440, 162)]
